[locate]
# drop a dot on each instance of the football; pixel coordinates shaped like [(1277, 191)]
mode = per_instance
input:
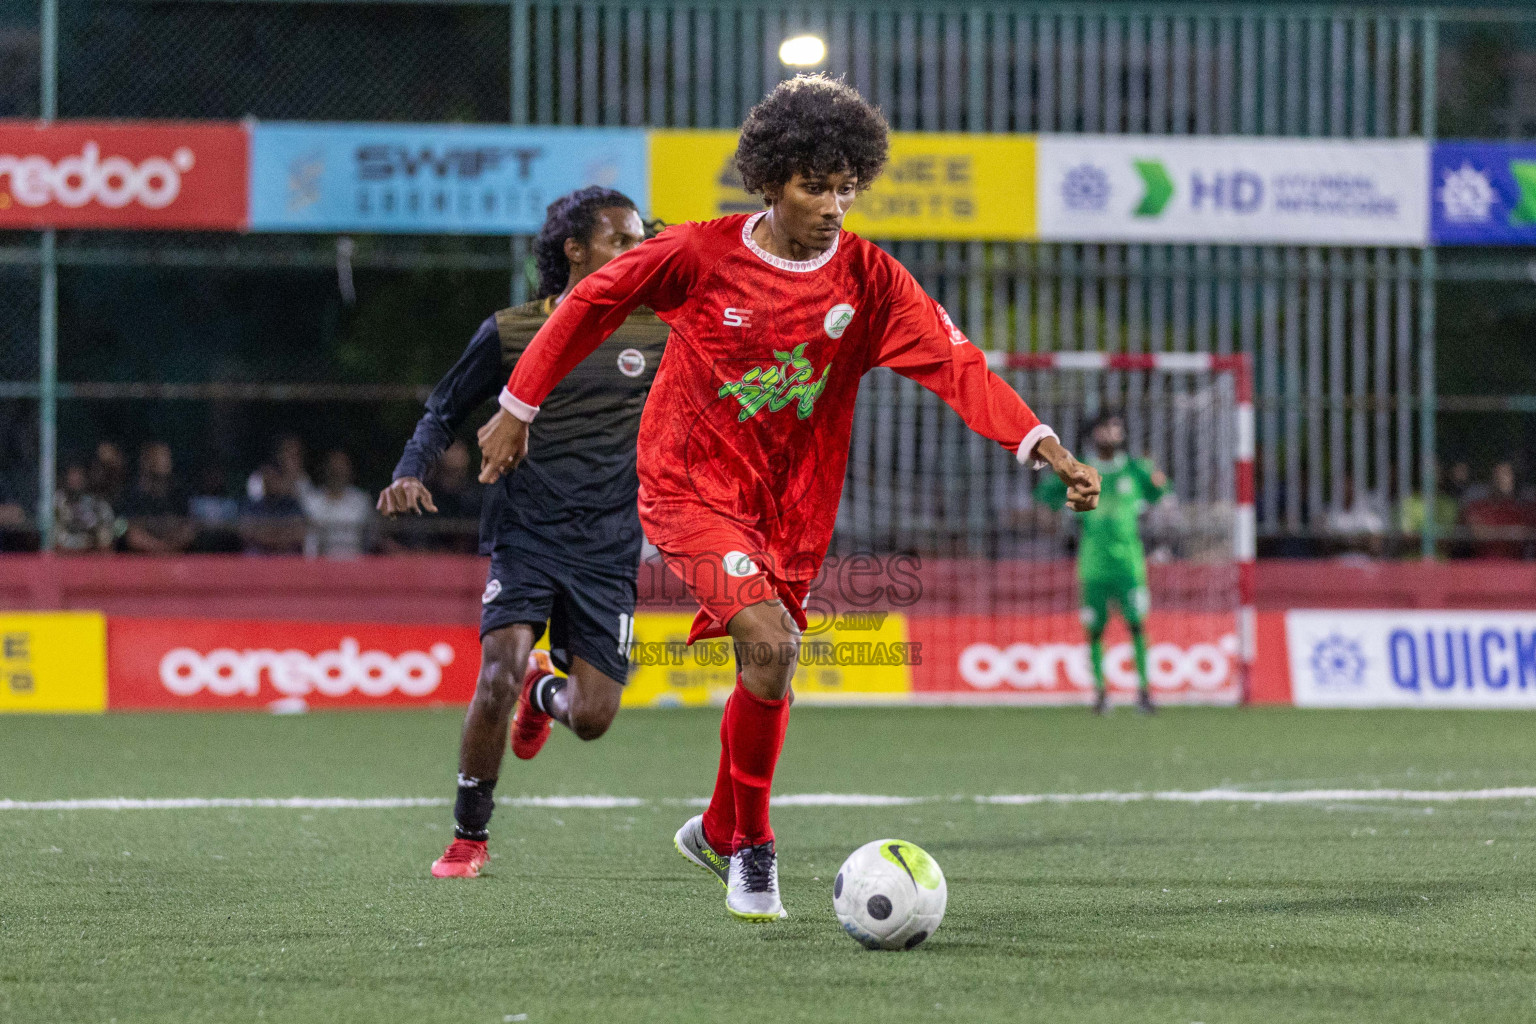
[(889, 894)]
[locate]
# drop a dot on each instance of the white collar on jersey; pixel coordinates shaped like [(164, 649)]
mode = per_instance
[(803, 267)]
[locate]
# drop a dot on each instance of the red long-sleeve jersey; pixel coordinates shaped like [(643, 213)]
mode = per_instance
[(751, 412)]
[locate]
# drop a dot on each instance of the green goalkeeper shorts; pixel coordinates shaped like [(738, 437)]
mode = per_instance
[(1126, 591)]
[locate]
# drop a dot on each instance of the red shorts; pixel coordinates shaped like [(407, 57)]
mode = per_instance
[(726, 571)]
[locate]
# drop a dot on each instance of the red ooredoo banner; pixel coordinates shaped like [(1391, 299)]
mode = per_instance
[(106, 174), (231, 664), (1043, 659)]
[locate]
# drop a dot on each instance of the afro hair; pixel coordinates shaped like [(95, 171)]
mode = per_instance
[(570, 216), (811, 124)]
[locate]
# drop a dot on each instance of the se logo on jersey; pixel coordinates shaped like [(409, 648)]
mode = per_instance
[(736, 317), (777, 386)]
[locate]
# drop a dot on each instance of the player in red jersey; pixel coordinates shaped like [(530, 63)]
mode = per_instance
[(775, 317)]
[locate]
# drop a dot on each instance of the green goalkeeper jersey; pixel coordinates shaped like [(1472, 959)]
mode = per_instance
[(1110, 546)]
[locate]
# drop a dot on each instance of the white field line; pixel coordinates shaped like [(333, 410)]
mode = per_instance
[(1201, 796)]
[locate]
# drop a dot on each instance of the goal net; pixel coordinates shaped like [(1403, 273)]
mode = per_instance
[(985, 576)]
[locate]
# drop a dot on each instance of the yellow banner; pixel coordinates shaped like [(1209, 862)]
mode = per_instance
[(866, 657), (937, 185), (53, 661)]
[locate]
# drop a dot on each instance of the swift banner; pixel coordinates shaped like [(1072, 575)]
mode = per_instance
[(441, 179), (1232, 190), (1483, 193), (161, 175), (936, 186), (1428, 659)]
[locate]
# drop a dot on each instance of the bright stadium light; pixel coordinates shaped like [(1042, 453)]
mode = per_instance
[(803, 51)]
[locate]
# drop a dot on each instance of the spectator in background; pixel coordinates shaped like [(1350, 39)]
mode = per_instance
[(1410, 513), (214, 513), (1500, 522), (273, 524), (109, 473), (1358, 525), (155, 509), (460, 496), (338, 512), (13, 515), (82, 519), (287, 462), (1458, 483)]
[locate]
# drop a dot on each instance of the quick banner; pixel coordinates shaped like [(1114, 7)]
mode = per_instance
[(125, 175), (1246, 191), (438, 179), (1483, 193), (1414, 659), (936, 185)]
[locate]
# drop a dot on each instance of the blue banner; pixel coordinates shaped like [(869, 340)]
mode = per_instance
[(1483, 193), (437, 179)]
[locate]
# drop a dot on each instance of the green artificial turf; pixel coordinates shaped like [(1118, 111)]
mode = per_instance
[(1221, 912)]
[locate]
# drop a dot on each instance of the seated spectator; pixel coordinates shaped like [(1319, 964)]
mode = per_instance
[(460, 496), (1358, 525), (109, 473), (13, 514), (82, 520), (155, 508), (214, 513), (1446, 511), (274, 523), (339, 513), (287, 461), (1501, 522)]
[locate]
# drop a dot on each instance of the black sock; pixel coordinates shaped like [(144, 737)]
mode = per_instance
[(543, 696), (472, 808)]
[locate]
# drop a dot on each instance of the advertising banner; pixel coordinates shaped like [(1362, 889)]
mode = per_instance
[(1043, 659), (232, 664), (1483, 193), (1100, 188), (161, 175), (1418, 659), (862, 658), (937, 185), (53, 661), (440, 179)]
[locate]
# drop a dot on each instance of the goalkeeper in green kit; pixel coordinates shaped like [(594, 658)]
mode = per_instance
[(1111, 566)]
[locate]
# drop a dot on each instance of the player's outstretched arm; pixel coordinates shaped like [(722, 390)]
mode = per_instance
[(655, 273)]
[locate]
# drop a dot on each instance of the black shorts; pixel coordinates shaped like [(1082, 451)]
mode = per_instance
[(591, 613)]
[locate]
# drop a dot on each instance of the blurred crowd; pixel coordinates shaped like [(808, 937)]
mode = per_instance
[(149, 506), (303, 502)]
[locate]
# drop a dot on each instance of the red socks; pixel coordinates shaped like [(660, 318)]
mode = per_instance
[(720, 815), (754, 728)]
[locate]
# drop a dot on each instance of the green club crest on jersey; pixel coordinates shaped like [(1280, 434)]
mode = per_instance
[(912, 859), (789, 382)]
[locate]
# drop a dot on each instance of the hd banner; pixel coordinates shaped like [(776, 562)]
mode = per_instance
[(1244, 191), (439, 179), (145, 175), (1483, 193), (937, 185), (1416, 659)]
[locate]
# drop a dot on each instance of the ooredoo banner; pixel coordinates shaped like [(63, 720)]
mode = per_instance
[(1043, 659), (1101, 188), (1428, 659), (206, 664), (441, 178), (163, 175)]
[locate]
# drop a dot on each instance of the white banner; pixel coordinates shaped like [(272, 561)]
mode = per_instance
[(1412, 659), (1241, 190)]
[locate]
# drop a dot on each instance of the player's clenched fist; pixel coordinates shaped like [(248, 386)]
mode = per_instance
[(503, 444), (1081, 479), (406, 494)]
